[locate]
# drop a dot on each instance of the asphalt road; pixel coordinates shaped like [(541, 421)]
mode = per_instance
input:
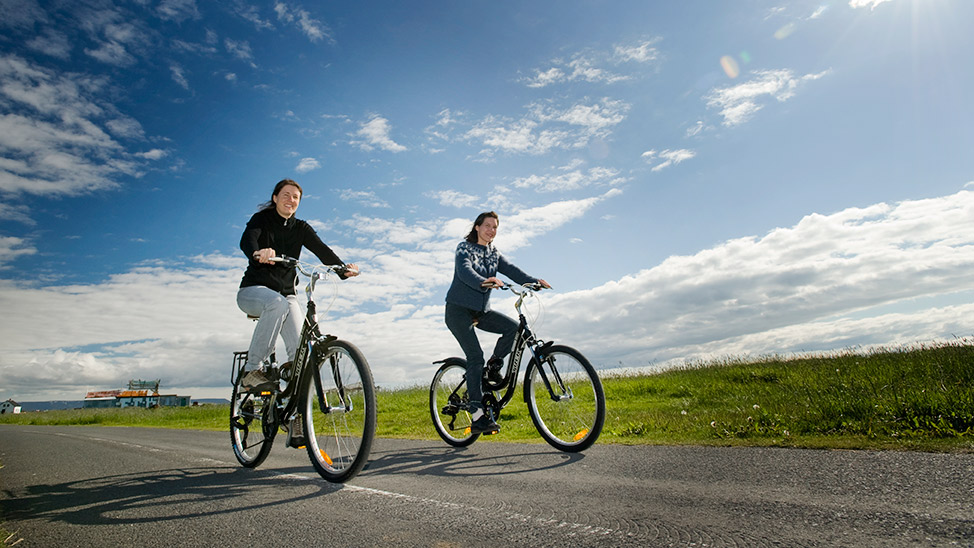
[(96, 486)]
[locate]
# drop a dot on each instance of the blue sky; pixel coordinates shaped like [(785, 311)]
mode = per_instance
[(696, 179)]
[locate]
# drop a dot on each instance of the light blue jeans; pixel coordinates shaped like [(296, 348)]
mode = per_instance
[(279, 315)]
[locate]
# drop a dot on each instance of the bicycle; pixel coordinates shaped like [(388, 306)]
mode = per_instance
[(561, 389), (328, 385)]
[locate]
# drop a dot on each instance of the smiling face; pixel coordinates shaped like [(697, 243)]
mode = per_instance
[(286, 201), (486, 231)]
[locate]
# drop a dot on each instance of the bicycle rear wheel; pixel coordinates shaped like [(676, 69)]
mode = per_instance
[(448, 404), (252, 428), (339, 421), (570, 416)]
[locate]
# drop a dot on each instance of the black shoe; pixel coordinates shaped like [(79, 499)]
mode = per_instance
[(484, 425), (493, 370)]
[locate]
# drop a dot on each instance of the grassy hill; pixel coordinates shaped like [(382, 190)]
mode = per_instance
[(920, 398)]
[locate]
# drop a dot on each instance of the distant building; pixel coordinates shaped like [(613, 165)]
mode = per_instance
[(102, 398), (9, 406), (144, 394)]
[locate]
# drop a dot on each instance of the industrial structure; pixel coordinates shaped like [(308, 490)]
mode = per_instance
[(144, 394)]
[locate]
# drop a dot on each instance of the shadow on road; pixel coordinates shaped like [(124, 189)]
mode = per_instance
[(459, 462), (159, 495)]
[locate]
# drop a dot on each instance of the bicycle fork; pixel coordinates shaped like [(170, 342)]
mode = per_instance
[(563, 391)]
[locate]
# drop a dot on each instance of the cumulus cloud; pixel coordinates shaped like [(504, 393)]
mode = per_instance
[(810, 287), (56, 133), (738, 103), (307, 164), (885, 274), (376, 134)]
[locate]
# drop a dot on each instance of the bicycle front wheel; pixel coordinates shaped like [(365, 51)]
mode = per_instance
[(448, 404), (339, 413), (251, 426), (565, 399)]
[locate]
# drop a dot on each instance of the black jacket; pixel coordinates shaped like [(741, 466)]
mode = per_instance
[(286, 237)]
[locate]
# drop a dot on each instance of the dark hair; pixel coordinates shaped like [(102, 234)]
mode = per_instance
[(472, 235), (277, 190)]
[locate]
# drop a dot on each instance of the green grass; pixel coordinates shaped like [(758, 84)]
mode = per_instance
[(918, 398)]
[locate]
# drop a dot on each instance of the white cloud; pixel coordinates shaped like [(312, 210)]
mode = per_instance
[(643, 52), (740, 102), (239, 49), (871, 4), (798, 288), (453, 198), (667, 157), (307, 164), (314, 29), (591, 66), (179, 76), (571, 180), (51, 42), (856, 277), (57, 136), (546, 127), (376, 134), (12, 247), (364, 197), (178, 10), (154, 154)]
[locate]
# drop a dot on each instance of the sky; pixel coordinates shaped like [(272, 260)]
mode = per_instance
[(697, 180)]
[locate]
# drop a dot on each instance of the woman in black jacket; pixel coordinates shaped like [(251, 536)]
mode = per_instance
[(267, 288)]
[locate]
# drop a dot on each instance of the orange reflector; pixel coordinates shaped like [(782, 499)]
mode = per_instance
[(265, 393), (325, 456), (466, 430), (581, 435)]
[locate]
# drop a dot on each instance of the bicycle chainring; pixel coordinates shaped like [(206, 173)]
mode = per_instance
[(491, 404)]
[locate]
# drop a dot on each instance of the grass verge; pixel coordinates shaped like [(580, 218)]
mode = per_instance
[(915, 398)]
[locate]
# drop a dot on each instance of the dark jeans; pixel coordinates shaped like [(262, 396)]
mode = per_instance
[(461, 322)]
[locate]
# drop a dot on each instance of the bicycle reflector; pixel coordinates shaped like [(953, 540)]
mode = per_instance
[(325, 456), (581, 435)]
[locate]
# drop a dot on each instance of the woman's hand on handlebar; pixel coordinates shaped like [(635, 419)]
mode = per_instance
[(350, 270), (492, 283), (265, 255), (544, 284)]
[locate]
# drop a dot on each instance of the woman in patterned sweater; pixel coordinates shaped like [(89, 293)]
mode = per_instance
[(468, 305)]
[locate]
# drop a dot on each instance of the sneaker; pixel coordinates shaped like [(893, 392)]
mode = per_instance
[(493, 370), (257, 381), (482, 423), (295, 434)]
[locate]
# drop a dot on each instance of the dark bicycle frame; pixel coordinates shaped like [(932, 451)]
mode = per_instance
[(524, 339), (312, 344)]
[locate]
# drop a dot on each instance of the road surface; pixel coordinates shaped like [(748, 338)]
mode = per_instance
[(99, 486)]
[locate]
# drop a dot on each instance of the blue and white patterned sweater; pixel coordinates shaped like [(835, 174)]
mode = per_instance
[(474, 264)]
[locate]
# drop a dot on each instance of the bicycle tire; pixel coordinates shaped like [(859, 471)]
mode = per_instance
[(448, 404), (574, 421), (250, 434), (339, 441)]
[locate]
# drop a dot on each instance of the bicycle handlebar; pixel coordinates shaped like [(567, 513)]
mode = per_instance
[(291, 261), (531, 286)]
